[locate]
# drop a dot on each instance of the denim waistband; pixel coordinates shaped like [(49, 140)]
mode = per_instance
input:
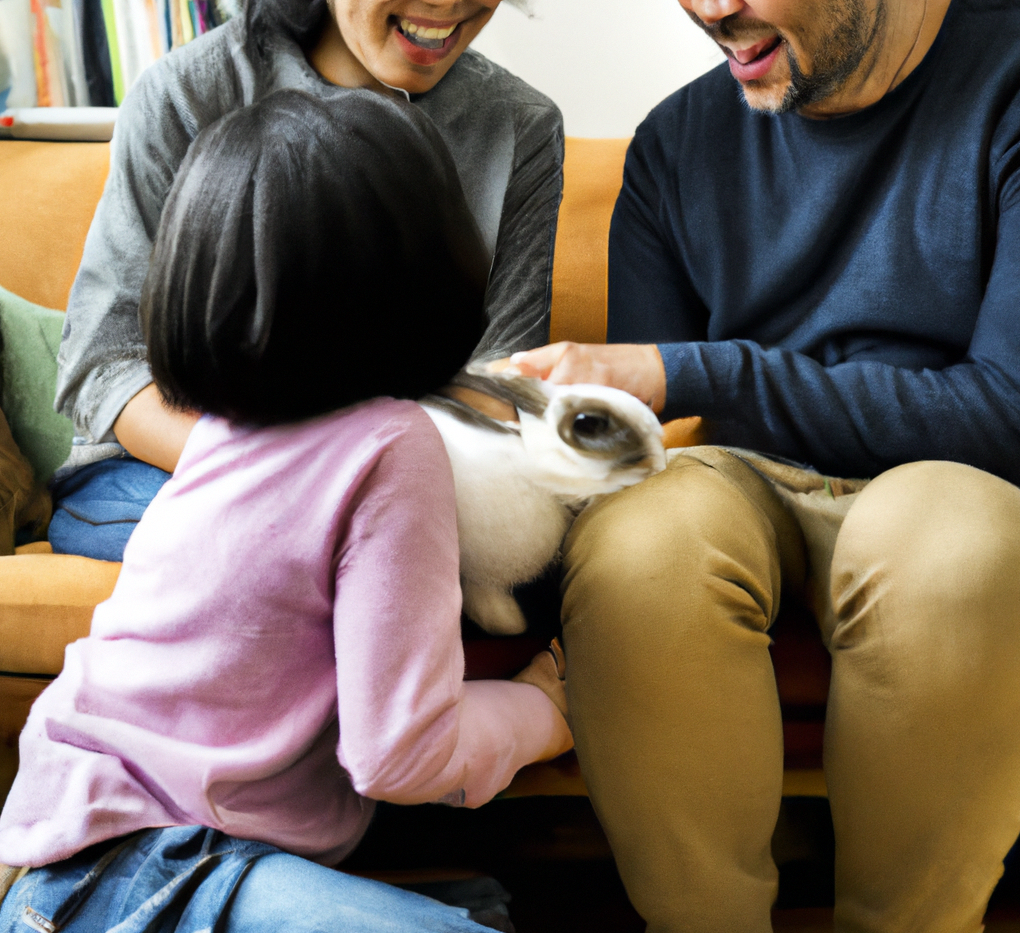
[(148, 879)]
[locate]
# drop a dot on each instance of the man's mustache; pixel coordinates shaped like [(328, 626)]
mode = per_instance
[(734, 27)]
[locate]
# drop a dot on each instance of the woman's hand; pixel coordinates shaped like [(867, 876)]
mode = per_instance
[(150, 431), (548, 672), (634, 367)]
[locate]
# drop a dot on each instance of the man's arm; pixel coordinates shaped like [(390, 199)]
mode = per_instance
[(859, 418), (855, 418)]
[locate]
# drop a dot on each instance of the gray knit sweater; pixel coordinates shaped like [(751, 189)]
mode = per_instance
[(506, 140)]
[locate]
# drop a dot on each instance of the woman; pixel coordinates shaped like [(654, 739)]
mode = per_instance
[(505, 138)]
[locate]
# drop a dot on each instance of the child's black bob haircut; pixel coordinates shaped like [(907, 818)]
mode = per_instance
[(312, 253)]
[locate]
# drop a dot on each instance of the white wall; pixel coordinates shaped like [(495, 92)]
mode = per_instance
[(605, 62)]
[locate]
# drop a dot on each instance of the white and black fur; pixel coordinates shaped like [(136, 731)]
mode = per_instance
[(519, 485)]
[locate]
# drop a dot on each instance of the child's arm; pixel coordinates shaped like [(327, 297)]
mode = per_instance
[(548, 672), (411, 729)]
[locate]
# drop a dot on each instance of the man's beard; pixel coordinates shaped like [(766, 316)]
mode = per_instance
[(838, 55)]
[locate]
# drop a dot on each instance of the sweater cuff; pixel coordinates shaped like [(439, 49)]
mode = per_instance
[(119, 384), (700, 378)]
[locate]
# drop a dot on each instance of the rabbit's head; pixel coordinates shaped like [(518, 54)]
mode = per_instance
[(581, 440)]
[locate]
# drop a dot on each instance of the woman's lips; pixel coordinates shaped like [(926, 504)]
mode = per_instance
[(754, 63), (421, 45)]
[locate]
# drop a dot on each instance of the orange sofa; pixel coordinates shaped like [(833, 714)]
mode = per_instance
[(46, 600)]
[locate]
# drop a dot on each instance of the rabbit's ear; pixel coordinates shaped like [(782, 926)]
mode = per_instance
[(524, 393)]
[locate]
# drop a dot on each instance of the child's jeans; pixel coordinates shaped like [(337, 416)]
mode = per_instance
[(190, 879)]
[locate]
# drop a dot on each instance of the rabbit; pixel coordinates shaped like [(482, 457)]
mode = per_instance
[(519, 485)]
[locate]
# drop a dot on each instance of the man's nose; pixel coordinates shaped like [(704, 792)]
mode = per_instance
[(712, 11)]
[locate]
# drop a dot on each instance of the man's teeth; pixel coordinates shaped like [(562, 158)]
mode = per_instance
[(430, 37)]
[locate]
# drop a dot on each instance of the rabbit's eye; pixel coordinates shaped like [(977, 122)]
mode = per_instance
[(597, 433), (586, 425)]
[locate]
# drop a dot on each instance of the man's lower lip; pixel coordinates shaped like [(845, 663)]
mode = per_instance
[(754, 70), (419, 56)]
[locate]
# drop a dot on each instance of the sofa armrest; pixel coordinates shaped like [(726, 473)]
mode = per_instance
[(46, 602)]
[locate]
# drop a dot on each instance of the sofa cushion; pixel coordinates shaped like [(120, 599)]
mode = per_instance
[(31, 338), (50, 195), (592, 178), (24, 503)]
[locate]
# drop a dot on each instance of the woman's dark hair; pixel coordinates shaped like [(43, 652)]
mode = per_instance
[(312, 254), (301, 20)]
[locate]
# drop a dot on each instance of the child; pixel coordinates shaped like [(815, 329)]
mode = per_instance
[(283, 645)]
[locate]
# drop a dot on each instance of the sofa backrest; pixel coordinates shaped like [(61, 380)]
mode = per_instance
[(50, 193), (52, 189), (592, 177)]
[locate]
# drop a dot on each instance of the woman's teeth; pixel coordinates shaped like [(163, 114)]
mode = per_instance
[(426, 38)]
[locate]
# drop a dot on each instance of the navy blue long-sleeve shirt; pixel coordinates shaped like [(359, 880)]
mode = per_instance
[(846, 292)]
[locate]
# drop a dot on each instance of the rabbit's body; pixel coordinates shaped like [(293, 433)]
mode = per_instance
[(519, 485)]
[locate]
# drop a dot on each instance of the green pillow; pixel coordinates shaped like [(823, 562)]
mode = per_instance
[(31, 337)]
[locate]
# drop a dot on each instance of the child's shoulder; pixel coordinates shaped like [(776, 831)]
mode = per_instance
[(367, 428), (388, 421)]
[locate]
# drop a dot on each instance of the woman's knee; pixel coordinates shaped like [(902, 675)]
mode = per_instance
[(97, 508)]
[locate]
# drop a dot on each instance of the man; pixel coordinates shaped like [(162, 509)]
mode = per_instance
[(822, 259)]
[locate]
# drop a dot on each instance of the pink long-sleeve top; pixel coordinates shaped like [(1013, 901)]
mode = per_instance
[(282, 648)]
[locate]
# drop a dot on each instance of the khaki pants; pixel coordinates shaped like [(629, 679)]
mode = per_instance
[(9, 876), (669, 593)]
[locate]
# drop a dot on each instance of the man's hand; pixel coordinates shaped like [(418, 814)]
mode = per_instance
[(634, 367)]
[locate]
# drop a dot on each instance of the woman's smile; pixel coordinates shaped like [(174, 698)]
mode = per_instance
[(403, 44), (425, 42)]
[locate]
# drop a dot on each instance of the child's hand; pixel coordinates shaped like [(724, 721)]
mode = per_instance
[(548, 672)]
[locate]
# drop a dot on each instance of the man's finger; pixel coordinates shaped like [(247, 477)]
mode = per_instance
[(539, 362)]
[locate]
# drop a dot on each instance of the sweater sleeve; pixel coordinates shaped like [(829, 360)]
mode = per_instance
[(520, 282), (854, 418), (411, 729), (102, 357)]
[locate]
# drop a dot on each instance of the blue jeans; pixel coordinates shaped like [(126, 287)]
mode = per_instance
[(188, 879), (96, 508)]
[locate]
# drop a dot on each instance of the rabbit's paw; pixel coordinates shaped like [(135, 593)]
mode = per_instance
[(493, 609)]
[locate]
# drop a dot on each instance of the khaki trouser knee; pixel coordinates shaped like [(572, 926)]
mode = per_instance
[(669, 592), (922, 744), (666, 617)]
